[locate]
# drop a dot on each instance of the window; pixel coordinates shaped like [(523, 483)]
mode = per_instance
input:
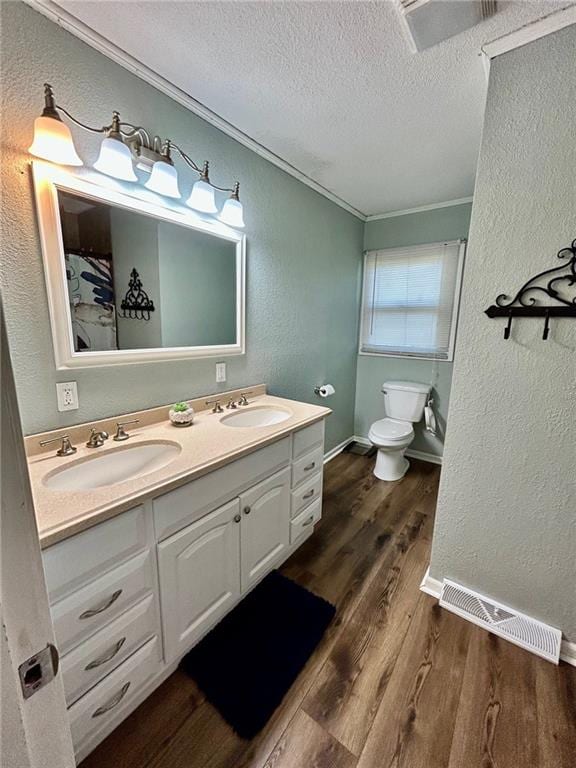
[(410, 300)]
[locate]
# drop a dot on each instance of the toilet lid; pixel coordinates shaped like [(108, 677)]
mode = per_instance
[(391, 429)]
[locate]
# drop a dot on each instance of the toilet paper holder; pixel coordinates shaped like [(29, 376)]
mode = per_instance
[(324, 390)]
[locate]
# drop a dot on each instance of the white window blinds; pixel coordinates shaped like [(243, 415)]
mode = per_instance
[(410, 300)]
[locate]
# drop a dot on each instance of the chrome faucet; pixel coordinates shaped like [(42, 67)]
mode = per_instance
[(66, 449), (217, 407), (243, 399), (96, 438), (231, 404), (121, 433)]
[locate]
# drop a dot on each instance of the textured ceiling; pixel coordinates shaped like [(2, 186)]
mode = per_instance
[(331, 87)]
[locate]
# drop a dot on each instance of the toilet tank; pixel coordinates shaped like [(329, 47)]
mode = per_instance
[(405, 400)]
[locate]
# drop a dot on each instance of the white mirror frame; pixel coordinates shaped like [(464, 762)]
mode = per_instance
[(48, 179)]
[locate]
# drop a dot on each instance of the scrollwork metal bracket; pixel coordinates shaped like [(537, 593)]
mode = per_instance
[(544, 295), (136, 304)]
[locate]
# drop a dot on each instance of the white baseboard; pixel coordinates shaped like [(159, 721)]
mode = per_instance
[(421, 455), (568, 652), (433, 587), (333, 452), (424, 456)]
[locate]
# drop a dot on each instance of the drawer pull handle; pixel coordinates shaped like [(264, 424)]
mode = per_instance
[(108, 656), (308, 522), (308, 495), (310, 466), (114, 701), (101, 608)]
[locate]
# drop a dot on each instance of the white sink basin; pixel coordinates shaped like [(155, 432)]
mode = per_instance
[(111, 467), (258, 416)]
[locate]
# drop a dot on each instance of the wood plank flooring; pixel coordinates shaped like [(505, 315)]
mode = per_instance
[(397, 682)]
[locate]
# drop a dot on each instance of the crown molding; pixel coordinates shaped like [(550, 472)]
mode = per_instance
[(76, 27), (547, 25), (420, 209)]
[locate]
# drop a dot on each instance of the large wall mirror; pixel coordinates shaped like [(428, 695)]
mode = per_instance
[(130, 280)]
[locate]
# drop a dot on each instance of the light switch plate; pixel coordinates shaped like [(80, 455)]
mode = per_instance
[(220, 373), (67, 395)]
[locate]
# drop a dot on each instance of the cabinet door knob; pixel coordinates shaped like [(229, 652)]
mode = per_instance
[(237, 518), (247, 510)]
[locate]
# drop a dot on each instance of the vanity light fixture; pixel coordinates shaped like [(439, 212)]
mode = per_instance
[(124, 144), (164, 177), (232, 213), (52, 138), (115, 158), (202, 195)]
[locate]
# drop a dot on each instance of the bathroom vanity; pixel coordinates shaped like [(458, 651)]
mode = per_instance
[(139, 571)]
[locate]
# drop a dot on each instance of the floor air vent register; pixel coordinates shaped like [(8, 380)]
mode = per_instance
[(519, 629)]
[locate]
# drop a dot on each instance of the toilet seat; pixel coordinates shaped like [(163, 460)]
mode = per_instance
[(391, 431)]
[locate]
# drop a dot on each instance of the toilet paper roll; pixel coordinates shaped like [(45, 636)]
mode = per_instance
[(326, 390)]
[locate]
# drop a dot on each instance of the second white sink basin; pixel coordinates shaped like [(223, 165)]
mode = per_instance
[(112, 467), (258, 416)]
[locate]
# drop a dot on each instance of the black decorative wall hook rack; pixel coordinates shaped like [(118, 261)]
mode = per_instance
[(136, 304), (544, 295)]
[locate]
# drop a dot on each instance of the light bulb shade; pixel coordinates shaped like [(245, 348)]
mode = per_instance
[(232, 213), (163, 179), (53, 141), (202, 198), (115, 159)]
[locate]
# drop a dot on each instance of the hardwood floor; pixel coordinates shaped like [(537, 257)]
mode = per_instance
[(397, 682)]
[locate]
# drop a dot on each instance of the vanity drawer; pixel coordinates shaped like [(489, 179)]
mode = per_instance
[(177, 509), (74, 562), (308, 465), (305, 521), (82, 614), (94, 711), (305, 439), (308, 492), (84, 666)]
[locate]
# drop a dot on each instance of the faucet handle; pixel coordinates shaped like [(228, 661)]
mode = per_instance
[(217, 407), (243, 399), (121, 433), (66, 449), (96, 438)]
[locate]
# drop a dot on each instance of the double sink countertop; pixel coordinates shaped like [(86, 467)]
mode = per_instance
[(205, 446)]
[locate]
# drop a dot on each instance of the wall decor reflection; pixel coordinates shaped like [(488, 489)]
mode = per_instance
[(136, 304), (92, 305)]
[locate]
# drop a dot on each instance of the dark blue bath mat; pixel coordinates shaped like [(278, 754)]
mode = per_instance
[(247, 663)]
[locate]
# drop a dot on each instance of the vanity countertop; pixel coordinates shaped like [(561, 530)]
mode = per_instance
[(205, 446)]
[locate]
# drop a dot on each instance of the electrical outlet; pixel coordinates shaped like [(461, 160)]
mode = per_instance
[(67, 394), (220, 373)]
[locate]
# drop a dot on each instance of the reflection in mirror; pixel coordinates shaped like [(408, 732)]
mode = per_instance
[(137, 282)]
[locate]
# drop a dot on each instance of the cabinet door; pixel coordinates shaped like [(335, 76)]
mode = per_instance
[(265, 532), (199, 577)]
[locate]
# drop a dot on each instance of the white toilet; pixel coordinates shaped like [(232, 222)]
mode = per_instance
[(404, 403)]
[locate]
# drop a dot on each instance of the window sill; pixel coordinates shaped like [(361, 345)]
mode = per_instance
[(406, 357)]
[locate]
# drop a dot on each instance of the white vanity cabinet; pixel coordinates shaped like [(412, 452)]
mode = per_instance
[(199, 577), (206, 567), (265, 527), (132, 595)]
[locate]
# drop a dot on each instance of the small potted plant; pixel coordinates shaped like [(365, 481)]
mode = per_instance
[(181, 414)]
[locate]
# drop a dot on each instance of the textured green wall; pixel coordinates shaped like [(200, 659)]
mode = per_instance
[(505, 523), (410, 229), (303, 251)]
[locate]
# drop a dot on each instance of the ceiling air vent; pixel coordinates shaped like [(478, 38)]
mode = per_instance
[(431, 21), (519, 629)]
